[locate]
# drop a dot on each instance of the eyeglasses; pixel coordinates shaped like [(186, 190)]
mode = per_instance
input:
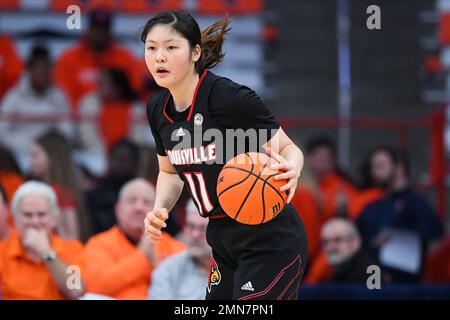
[(336, 240)]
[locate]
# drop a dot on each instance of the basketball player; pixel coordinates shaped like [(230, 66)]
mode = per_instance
[(265, 261)]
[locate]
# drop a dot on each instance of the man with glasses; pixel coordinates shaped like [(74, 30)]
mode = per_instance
[(342, 245), (185, 276)]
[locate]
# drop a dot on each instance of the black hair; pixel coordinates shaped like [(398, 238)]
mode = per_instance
[(396, 155), (128, 144), (37, 53), (210, 40), (7, 161), (320, 142), (121, 83)]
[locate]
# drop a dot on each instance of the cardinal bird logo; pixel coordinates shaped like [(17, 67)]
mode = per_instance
[(214, 274)]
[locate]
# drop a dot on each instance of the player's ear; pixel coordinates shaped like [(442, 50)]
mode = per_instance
[(196, 53)]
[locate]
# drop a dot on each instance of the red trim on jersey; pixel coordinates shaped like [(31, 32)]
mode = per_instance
[(195, 94), (192, 103), (164, 109), (218, 216)]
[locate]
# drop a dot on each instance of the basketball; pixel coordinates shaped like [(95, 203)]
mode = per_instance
[(247, 190)]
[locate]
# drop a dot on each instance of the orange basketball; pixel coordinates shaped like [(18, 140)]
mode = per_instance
[(247, 190)]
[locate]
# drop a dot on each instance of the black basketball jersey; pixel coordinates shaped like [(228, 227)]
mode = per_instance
[(196, 140)]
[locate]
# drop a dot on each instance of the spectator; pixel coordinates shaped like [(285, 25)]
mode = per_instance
[(33, 260), (10, 65), (51, 162), (113, 102), (97, 50), (35, 96), (185, 276), (342, 245), (119, 262), (401, 208), (335, 190), (307, 202), (10, 173), (123, 164), (4, 215)]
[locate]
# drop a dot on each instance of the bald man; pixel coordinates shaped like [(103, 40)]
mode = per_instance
[(342, 245), (119, 262)]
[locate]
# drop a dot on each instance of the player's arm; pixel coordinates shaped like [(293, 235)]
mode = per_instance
[(289, 157), (168, 189)]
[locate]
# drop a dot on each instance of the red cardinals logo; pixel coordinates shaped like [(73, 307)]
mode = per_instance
[(214, 274)]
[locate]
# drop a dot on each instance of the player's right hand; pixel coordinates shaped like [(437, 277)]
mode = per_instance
[(154, 221)]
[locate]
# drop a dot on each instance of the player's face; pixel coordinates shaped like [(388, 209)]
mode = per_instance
[(169, 56), (132, 209), (34, 212)]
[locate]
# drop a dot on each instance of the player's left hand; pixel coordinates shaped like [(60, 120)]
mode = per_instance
[(292, 172)]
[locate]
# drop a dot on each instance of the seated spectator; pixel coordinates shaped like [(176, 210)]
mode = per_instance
[(33, 259), (123, 159), (342, 245), (119, 262), (51, 162), (185, 276), (34, 96), (335, 190), (113, 102), (96, 50), (10, 174), (401, 209), (4, 215), (10, 65), (307, 202), (373, 184)]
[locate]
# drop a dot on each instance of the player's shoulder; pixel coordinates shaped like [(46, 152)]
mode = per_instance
[(226, 90)]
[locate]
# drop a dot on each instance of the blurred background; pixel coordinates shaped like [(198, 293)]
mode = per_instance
[(368, 107)]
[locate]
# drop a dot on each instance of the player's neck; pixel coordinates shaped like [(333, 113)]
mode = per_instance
[(183, 93)]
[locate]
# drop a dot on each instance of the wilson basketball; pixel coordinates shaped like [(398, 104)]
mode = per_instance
[(247, 190)]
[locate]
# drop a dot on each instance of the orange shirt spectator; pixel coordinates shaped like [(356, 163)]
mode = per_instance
[(21, 278), (361, 199), (11, 65), (119, 262), (336, 191), (115, 267), (309, 212), (319, 271), (79, 78)]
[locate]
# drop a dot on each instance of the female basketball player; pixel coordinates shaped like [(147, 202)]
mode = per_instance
[(265, 261)]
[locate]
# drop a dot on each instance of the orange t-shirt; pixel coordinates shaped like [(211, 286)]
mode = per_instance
[(21, 278), (319, 271), (10, 65), (77, 69), (117, 114), (361, 199), (309, 212), (330, 187), (115, 267)]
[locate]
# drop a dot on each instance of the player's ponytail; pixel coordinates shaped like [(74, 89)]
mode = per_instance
[(211, 44), (210, 40)]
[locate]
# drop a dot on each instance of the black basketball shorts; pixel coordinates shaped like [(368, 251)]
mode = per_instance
[(263, 261)]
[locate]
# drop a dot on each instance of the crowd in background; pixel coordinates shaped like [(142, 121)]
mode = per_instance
[(77, 176)]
